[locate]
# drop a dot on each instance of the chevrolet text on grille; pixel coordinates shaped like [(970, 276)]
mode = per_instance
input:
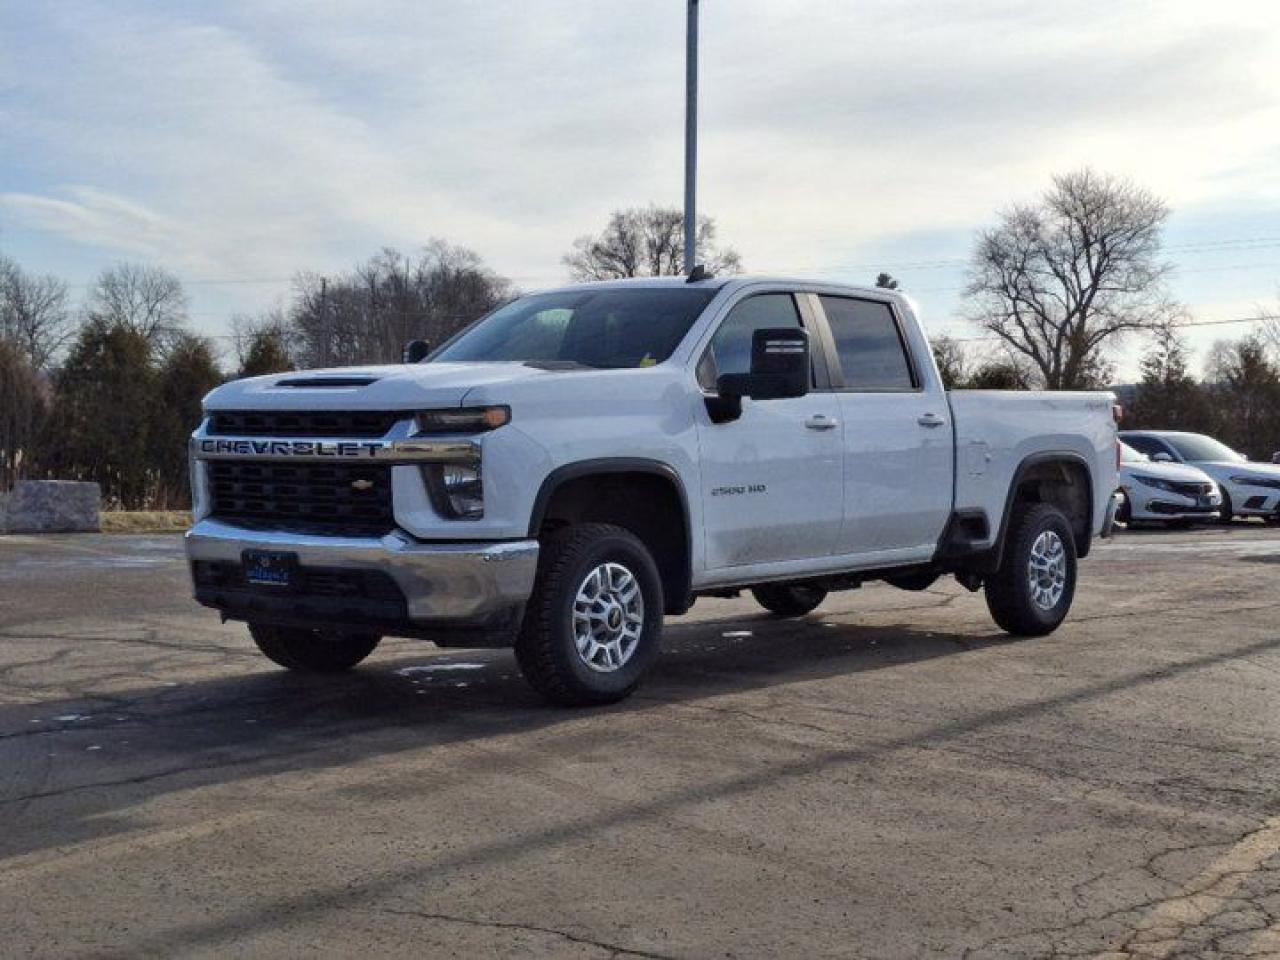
[(382, 451)]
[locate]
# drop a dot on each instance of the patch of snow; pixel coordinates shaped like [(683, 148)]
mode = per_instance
[(438, 668)]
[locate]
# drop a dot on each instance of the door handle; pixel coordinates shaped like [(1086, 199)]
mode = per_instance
[(820, 422), (930, 420)]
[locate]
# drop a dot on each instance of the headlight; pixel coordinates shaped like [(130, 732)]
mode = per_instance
[(1153, 482), (457, 490), (1271, 483), (463, 419)]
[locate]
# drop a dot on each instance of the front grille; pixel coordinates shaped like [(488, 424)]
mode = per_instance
[(340, 499), (303, 423), (1192, 489)]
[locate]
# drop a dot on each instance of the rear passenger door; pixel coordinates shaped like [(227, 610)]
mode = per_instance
[(898, 437)]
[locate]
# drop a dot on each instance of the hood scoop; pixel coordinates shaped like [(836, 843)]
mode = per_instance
[(322, 382)]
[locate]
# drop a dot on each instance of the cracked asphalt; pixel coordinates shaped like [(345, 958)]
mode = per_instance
[(888, 777)]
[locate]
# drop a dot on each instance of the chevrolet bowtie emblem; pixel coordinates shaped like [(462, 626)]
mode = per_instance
[(361, 485)]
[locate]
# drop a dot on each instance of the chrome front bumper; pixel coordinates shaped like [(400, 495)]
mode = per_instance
[(441, 582)]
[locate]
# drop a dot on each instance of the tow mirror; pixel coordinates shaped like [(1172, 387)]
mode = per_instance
[(415, 351), (779, 369)]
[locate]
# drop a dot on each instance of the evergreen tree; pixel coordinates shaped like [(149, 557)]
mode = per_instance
[(265, 353), (187, 374), (1168, 396), (102, 414)]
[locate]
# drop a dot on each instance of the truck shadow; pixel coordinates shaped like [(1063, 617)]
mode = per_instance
[(75, 764)]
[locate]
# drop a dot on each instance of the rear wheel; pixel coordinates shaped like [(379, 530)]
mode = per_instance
[(312, 651), (789, 599), (1030, 594), (593, 624)]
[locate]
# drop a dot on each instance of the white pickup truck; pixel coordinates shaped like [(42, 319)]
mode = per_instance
[(583, 461)]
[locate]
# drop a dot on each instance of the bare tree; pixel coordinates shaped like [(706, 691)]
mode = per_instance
[(34, 313), (647, 242), (953, 366), (148, 301), (1269, 328), (1058, 281), (368, 315)]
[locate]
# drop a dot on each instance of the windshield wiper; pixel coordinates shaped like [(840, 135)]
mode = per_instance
[(559, 365)]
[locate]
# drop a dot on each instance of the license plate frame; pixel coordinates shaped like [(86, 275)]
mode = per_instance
[(273, 569)]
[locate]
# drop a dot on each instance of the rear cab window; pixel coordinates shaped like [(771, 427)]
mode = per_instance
[(870, 348)]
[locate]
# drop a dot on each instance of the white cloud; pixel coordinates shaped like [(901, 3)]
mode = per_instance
[(258, 138)]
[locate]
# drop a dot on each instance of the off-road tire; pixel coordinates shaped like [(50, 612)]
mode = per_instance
[(789, 599), (312, 651), (546, 649), (1009, 592)]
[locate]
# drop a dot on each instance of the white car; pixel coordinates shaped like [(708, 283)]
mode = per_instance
[(1248, 489), (1171, 492)]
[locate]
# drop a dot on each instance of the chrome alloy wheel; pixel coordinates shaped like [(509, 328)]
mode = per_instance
[(1047, 570), (608, 617)]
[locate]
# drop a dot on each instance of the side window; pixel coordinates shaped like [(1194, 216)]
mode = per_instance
[(872, 354), (730, 348), (1147, 445)]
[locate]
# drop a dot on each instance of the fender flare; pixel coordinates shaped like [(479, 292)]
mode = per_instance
[(1025, 467), (606, 466)]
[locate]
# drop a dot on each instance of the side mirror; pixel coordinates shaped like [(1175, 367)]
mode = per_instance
[(415, 351), (1161, 457), (779, 369)]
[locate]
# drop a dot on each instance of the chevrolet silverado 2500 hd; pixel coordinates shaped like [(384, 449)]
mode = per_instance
[(582, 461)]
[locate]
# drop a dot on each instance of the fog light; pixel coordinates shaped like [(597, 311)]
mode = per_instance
[(460, 490)]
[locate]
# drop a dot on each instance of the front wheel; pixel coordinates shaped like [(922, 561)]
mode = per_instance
[(594, 621), (312, 651), (1030, 594), (789, 599)]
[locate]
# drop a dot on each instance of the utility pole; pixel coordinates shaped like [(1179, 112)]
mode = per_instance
[(691, 138)]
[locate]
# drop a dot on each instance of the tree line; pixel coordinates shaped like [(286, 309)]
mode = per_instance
[(109, 389)]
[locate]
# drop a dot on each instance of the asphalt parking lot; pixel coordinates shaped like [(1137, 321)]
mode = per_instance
[(889, 777)]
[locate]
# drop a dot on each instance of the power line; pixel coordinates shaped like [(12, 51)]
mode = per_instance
[(1261, 318)]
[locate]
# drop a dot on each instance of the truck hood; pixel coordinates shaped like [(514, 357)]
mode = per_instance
[(401, 386)]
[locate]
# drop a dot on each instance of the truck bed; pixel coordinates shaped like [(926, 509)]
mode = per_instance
[(997, 430)]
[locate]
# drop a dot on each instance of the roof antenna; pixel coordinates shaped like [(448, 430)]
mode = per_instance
[(699, 272)]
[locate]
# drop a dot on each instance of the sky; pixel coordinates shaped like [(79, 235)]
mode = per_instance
[(239, 142)]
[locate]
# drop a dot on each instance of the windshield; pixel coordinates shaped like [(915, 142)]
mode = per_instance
[(1130, 455), (1195, 446), (592, 327)]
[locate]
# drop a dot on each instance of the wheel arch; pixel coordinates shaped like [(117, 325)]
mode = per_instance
[(1062, 478), (624, 491)]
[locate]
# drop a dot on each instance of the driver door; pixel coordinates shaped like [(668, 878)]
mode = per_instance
[(772, 480)]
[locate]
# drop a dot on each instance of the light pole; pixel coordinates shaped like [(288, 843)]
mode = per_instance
[(691, 138)]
